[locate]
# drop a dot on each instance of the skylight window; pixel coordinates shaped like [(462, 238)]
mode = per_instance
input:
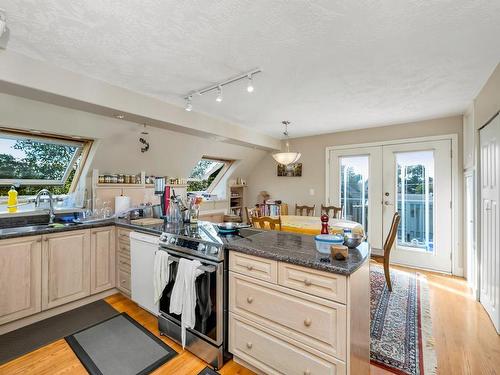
[(27, 160), (206, 174)]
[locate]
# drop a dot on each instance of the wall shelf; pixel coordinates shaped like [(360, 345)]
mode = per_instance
[(236, 202)]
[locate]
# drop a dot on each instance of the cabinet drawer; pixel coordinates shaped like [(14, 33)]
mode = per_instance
[(123, 237), (125, 252), (313, 321), (124, 281), (271, 354), (124, 263), (319, 283), (260, 268)]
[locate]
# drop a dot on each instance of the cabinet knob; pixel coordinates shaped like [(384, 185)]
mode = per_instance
[(307, 372), (307, 282), (249, 299), (249, 267), (307, 322), (249, 345)]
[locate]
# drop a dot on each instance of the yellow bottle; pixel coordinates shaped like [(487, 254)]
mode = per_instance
[(12, 201)]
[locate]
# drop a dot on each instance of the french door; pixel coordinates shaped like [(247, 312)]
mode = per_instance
[(489, 291), (414, 179)]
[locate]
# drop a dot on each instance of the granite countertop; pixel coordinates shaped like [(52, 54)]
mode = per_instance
[(5, 233), (299, 249), (287, 247)]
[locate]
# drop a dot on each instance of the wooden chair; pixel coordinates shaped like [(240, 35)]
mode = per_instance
[(266, 222), (389, 241), (251, 212), (309, 210), (337, 211)]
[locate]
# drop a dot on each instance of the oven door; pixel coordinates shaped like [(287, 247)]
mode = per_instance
[(209, 298)]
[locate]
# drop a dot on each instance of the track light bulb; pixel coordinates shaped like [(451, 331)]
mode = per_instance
[(189, 106), (250, 83), (219, 94)]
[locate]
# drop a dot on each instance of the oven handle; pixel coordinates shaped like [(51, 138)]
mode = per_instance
[(208, 268)]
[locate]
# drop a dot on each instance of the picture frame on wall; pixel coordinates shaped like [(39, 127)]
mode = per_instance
[(291, 170)]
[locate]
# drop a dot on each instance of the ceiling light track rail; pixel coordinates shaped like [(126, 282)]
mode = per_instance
[(218, 87)]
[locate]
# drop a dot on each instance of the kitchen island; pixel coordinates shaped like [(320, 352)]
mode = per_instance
[(314, 311)]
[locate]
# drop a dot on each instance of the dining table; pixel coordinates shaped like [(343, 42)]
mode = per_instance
[(312, 225)]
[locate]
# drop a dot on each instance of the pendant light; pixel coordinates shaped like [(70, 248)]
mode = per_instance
[(287, 157)]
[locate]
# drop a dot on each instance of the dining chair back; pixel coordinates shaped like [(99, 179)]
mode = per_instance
[(267, 222), (251, 212), (304, 210), (332, 211), (388, 245)]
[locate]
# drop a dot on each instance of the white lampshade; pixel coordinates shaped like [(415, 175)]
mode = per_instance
[(286, 158)]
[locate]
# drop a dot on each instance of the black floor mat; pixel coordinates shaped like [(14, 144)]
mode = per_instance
[(119, 345), (208, 371), (26, 339)]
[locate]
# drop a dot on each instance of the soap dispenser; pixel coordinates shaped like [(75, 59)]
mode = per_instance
[(12, 200)]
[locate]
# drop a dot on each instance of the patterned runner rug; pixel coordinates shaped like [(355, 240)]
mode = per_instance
[(401, 326)]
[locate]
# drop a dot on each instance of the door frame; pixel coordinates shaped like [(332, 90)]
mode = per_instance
[(474, 283), (457, 261)]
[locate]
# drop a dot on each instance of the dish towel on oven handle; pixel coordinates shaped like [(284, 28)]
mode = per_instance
[(183, 298), (161, 273)]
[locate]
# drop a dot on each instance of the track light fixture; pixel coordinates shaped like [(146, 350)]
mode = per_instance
[(218, 86), (4, 30), (189, 105), (219, 94), (250, 83)]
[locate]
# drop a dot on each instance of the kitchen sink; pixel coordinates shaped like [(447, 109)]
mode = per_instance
[(35, 228)]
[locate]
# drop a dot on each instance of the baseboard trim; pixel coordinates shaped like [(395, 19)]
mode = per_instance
[(16, 324)]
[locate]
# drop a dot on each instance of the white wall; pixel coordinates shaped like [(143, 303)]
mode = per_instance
[(171, 153), (297, 189)]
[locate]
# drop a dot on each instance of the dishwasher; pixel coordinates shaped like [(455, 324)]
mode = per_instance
[(142, 256)]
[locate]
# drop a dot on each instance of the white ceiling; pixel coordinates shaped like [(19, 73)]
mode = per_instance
[(327, 65)]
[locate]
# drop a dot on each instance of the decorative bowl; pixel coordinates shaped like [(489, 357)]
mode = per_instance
[(352, 240)]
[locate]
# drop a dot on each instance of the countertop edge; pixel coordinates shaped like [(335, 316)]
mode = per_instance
[(326, 267)]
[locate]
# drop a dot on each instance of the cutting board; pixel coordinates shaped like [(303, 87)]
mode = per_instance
[(147, 221)]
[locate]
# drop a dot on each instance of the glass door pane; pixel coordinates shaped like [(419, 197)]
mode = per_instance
[(415, 200), (354, 188)]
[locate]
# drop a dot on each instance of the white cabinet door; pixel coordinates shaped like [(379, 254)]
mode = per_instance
[(65, 267), (20, 278), (490, 224), (102, 259)]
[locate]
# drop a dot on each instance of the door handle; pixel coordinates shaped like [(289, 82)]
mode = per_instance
[(387, 203)]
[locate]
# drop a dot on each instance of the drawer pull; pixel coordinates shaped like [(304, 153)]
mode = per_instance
[(307, 322), (307, 372), (249, 267), (307, 282), (249, 345), (249, 299)]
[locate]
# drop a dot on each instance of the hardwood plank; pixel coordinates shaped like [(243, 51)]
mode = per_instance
[(465, 340)]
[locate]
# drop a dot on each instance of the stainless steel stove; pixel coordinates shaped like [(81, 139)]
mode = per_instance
[(202, 242)]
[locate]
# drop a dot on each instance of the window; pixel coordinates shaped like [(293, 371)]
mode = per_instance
[(36, 162), (207, 173)]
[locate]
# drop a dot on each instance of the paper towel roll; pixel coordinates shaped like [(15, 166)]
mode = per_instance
[(122, 203)]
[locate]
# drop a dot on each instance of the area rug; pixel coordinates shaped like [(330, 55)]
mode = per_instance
[(401, 327), (24, 340), (119, 345)]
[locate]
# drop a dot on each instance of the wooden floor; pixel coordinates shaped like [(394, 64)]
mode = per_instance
[(465, 340)]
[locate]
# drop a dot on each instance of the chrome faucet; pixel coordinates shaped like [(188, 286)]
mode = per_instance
[(51, 203)]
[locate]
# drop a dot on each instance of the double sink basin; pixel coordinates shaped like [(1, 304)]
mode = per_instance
[(35, 228)]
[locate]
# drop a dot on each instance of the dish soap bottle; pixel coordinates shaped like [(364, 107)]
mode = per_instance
[(12, 200)]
